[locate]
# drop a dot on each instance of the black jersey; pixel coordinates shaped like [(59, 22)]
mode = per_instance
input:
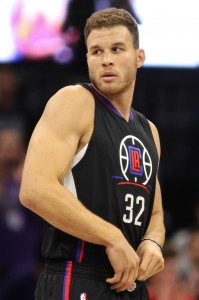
[(113, 176)]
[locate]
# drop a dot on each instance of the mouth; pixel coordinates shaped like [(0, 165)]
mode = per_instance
[(108, 76)]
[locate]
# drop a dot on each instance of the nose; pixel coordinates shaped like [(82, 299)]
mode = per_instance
[(107, 58)]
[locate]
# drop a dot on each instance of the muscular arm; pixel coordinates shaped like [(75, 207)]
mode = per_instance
[(151, 260), (53, 144), (64, 128)]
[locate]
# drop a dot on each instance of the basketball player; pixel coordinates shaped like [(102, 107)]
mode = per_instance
[(91, 174)]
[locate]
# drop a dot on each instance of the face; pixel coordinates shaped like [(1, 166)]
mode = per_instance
[(113, 60)]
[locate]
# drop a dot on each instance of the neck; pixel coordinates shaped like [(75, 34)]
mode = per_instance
[(121, 103)]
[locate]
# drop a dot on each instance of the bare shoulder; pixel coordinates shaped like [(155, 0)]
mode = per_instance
[(63, 129), (75, 100), (70, 107), (73, 95), (155, 136)]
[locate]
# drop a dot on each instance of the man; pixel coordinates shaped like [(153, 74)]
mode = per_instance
[(90, 173)]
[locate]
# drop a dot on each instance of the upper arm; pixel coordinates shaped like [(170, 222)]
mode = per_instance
[(66, 119)]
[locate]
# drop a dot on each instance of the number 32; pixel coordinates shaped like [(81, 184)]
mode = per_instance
[(129, 217)]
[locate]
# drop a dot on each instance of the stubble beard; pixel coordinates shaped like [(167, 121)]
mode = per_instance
[(113, 88)]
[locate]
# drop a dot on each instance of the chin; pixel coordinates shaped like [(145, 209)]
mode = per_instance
[(108, 87)]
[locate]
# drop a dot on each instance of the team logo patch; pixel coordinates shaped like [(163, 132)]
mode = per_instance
[(83, 296), (135, 161), (135, 157)]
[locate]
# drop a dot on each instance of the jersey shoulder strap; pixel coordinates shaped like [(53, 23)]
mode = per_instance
[(144, 122)]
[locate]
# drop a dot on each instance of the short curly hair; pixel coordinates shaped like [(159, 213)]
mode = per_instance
[(111, 17)]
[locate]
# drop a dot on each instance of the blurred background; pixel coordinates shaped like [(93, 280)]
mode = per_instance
[(41, 50)]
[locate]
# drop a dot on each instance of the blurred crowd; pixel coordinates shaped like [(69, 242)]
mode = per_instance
[(180, 278), (20, 230)]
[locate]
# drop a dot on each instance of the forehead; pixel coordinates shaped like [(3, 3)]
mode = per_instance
[(112, 35)]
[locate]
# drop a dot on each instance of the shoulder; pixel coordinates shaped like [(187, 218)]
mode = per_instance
[(156, 137), (70, 105), (71, 97), (144, 121)]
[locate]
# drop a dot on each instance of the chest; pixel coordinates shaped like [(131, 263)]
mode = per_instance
[(126, 149)]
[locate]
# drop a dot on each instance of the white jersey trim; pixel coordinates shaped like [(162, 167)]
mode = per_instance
[(68, 179)]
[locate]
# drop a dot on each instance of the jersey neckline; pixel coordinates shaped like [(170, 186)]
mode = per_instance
[(109, 104)]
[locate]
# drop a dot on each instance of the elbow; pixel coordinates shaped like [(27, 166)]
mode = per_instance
[(27, 197), (24, 197)]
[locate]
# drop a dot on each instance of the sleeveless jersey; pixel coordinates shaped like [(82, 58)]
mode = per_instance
[(114, 177)]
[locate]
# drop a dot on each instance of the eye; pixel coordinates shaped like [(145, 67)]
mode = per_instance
[(97, 52), (116, 49)]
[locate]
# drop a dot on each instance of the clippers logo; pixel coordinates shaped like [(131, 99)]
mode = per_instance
[(135, 161), (83, 296)]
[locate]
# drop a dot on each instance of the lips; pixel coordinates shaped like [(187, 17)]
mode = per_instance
[(108, 75)]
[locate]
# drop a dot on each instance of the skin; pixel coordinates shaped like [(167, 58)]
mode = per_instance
[(112, 63), (63, 130)]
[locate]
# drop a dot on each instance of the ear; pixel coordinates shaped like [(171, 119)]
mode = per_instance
[(140, 57)]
